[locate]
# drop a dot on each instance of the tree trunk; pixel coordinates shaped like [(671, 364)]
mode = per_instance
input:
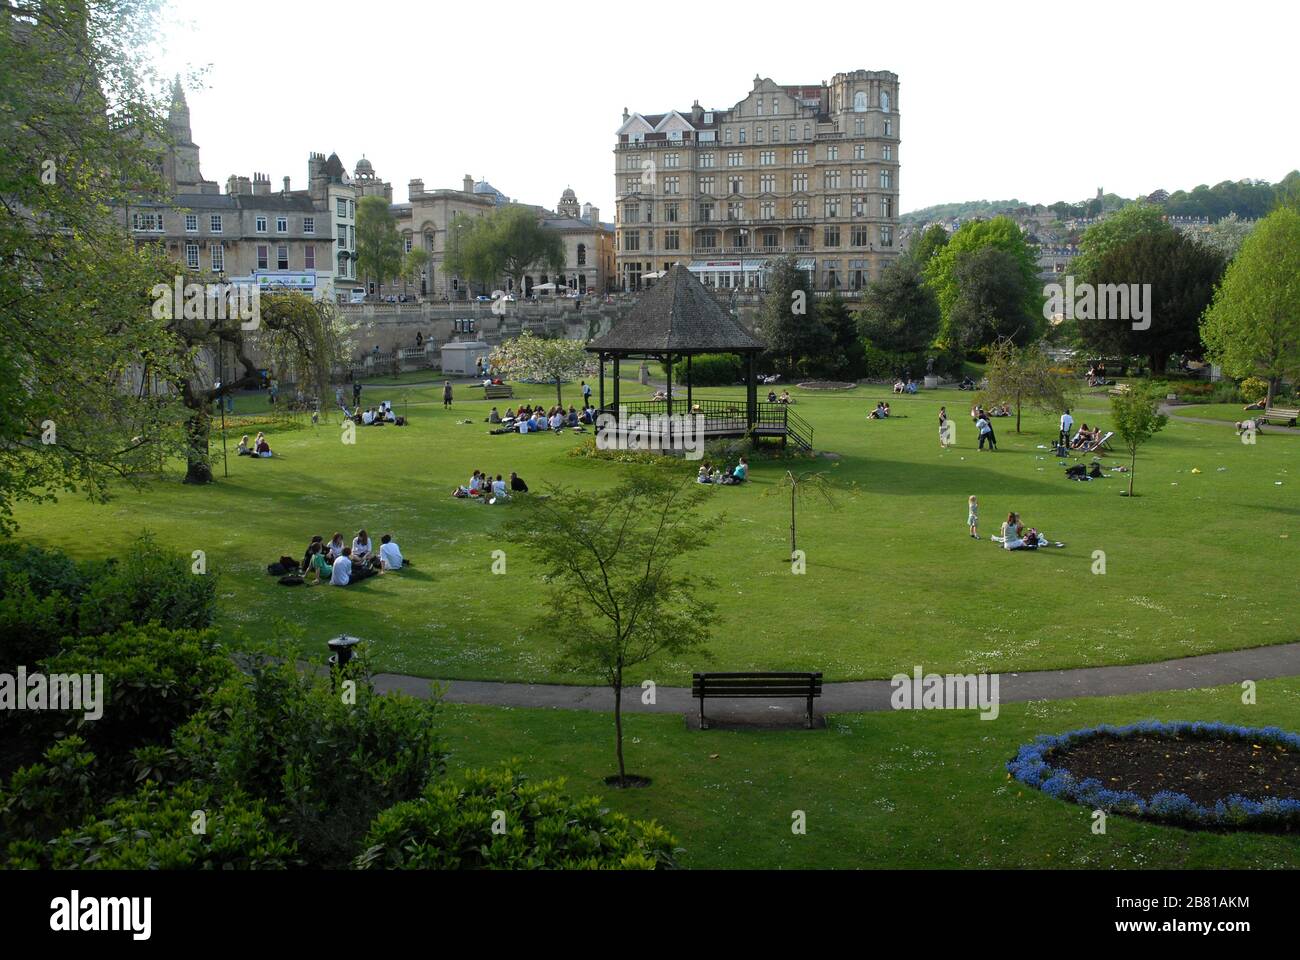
[(793, 547), (1272, 390), (1017, 416), (1132, 472), (1158, 364), (618, 724), (558, 398), (197, 430)]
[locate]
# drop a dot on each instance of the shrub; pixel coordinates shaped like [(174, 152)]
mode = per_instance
[(184, 827), (42, 799), (1254, 389), (148, 583), (451, 828), (710, 370), (327, 764), (154, 680)]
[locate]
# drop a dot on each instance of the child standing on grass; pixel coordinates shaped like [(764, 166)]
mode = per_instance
[(973, 517)]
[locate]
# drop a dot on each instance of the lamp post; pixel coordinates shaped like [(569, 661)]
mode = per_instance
[(221, 397)]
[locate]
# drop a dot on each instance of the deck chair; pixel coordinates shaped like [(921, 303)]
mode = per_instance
[(1102, 444)]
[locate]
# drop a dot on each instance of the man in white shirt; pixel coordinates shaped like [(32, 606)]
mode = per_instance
[(341, 571), (499, 489), (557, 421), (389, 555), (1067, 422), (367, 418)]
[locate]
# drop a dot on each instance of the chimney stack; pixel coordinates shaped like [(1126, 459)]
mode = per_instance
[(415, 188), (469, 183), (261, 185), (286, 185)]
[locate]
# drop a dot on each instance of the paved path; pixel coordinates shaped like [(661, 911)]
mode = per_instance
[(1169, 409), (1208, 670)]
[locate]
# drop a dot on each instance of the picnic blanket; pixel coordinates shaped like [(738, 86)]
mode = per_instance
[(1042, 543)]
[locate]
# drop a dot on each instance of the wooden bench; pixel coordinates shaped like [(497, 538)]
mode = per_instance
[(1286, 416), (756, 686), (498, 391)]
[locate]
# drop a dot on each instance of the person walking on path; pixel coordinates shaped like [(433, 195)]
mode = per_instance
[(446, 395)]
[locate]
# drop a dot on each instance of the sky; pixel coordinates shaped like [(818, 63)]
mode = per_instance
[(1034, 101)]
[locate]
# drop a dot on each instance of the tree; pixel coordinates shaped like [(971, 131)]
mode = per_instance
[(303, 340), (1022, 376), (1174, 274), (991, 302), (79, 350), (1137, 418), (508, 242), (945, 275), (620, 590), (900, 312), (1253, 326), (843, 356), (1226, 236), (413, 264), (555, 360), (1135, 220), (787, 319), (927, 243), (806, 483), (379, 248)]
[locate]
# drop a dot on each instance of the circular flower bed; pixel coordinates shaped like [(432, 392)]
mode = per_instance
[(826, 385), (1193, 774)]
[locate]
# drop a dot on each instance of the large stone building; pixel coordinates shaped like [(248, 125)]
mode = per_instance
[(808, 171), (278, 239), (426, 216)]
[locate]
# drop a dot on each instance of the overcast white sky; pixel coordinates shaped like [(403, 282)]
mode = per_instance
[(1038, 101)]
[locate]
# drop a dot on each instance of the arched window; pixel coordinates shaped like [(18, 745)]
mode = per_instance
[(582, 254), (884, 100), (807, 131), (859, 101)]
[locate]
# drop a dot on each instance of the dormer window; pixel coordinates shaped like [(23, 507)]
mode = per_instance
[(708, 116)]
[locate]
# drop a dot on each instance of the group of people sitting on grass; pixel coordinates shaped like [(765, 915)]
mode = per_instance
[(978, 411), (1016, 537), (723, 475), (486, 489), (339, 563), (1097, 376), (257, 448), (783, 398), (905, 386), (528, 419), (881, 411)]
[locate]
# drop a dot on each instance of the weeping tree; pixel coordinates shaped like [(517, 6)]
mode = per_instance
[(1023, 377), (82, 114), (299, 338), (814, 484)]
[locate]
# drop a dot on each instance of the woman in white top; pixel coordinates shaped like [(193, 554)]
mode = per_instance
[(335, 547), (1011, 533), (360, 546)]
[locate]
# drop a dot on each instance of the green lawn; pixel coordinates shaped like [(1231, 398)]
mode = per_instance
[(893, 579), (899, 790)]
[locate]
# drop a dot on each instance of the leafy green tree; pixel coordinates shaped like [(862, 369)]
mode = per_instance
[(1253, 326), (1137, 219), (992, 301), (1136, 415), (900, 312), (508, 242), (843, 356), (379, 248), (1023, 377), (621, 590), (413, 264), (948, 270), (927, 243), (556, 360), (1181, 273), (82, 122), (788, 320)]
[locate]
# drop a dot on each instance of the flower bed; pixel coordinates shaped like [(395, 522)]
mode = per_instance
[(1207, 775)]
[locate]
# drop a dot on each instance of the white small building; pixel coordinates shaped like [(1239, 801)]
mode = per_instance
[(460, 356)]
